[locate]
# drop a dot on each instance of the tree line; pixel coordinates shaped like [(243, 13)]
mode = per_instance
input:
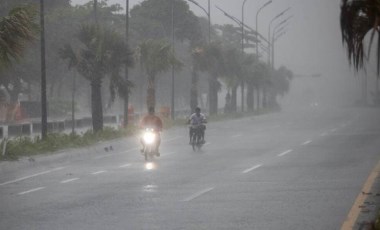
[(89, 41)]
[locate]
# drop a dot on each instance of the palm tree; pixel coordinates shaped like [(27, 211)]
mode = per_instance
[(357, 18), (233, 73), (194, 78), (101, 54), (210, 59), (253, 73), (16, 30), (279, 84), (155, 57)]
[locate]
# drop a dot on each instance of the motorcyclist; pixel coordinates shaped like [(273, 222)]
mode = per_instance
[(197, 120), (152, 121)]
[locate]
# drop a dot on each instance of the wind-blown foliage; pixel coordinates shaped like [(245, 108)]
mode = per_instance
[(209, 58), (156, 56), (102, 53), (357, 18), (16, 30), (152, 19)]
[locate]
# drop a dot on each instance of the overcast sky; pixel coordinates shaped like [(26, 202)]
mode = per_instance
[(312, 43)]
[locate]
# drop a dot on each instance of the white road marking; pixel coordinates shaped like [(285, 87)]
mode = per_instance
[(34, 175), (98, 172), (284, 153), (32, 190), (207, 143), (236, 136), (251, 169), (69, 180), (124, 166), (198, 194), (172, 139), (307, 142), (113, 154), (104, 156), (167, 154)]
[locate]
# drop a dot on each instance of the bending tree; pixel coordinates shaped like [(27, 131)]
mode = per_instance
[(155, 57), (16, 30), (102, 53), (357, 18)]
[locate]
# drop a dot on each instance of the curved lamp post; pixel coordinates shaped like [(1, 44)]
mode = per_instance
[(208, 13), (269, 29), (257, 17)]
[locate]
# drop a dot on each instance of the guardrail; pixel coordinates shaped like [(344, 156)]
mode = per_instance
[(57, 126)]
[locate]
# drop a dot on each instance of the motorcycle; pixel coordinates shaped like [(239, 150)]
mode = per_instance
[(196, 137), (150, 140)]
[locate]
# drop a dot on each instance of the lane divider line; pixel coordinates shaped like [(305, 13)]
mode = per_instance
[(307, 142), (353, 215), (34, 175), (32, 190), (284, 153), (236, 136), (125, 166), (172, 139), (69, 180), (98, 172), (114, 154), (198, 194), (251, 169), (167, 154), (104, 156)]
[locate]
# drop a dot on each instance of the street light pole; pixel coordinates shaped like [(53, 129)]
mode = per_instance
[(208, 13), (257, 18), (257, 50), (43, 74), (172, 97), (242, 50), (209, 22), (273, 34), (126, 97), (269, 30), (277, 32)]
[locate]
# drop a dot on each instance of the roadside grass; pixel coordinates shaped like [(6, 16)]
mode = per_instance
[(28, 146)]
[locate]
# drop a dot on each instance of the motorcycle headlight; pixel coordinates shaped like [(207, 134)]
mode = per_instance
[(149, 137)]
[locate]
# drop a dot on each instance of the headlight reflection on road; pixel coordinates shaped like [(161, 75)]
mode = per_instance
[(150, 166)]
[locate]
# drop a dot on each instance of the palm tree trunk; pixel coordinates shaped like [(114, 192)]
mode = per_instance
[(151, 92), (258, 104), (265, 98), (194, 90), (213, 95), (96, 105), (234, 99), (250, 97)]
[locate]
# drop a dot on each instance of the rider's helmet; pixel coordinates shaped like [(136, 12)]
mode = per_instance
[(197, 110), (151, 110)]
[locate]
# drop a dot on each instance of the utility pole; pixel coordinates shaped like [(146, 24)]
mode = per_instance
[(172, 97), (43, 74), (126, 96)]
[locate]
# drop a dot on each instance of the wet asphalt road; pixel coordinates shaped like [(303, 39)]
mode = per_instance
[(280, 171)]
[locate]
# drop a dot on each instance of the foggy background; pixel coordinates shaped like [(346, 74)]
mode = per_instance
[(312, 45)]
